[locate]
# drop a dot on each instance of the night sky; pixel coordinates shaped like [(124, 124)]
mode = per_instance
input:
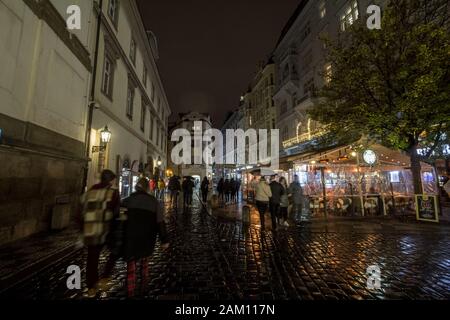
[(209, 49)]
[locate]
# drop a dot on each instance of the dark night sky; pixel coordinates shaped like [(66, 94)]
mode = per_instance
[(209, 49)]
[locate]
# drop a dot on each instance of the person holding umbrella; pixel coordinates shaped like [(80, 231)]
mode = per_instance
[(263, 195), (174, 187)]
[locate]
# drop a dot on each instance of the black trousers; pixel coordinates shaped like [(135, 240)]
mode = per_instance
[(262, 208), (283, 213), (205, 195), (92, 265), (274, 209), (187, 197)]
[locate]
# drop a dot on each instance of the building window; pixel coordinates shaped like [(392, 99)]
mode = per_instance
[(133, 51), (283, 108), (130, 100), (309, 87), (108, 77), (285, 133), (153, 92), (143, 114), (113, 11), (350, 15), (159, 106), (286, 72), (151, 126), (144, 76), (306, 31), (328, 73), (322, 9), (157, 136)]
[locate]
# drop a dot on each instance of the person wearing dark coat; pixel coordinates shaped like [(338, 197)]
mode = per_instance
[(143, 225), (274, 203), (227, 190), (188, 191), (174, 187), (204, 188), (220, 189)]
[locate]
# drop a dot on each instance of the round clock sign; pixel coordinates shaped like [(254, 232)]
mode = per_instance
[(370, 157)]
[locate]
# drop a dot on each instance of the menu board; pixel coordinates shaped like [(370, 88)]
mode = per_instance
[(427, 208)]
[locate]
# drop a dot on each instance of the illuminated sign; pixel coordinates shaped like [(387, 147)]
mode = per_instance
[(370, 157)]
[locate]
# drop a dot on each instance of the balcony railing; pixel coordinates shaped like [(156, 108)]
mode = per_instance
[(302, 138)]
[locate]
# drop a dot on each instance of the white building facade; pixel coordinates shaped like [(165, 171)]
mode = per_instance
[(192, 122), (129, 99), (45, 94), (44, 85), (301, 67)]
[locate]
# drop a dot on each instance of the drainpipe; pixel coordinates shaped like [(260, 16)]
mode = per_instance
[(92, 95)]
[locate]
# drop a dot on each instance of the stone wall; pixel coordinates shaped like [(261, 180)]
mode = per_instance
[(38, 168)]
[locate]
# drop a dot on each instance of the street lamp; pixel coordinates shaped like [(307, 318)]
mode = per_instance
[(159, 162), (105, 135), (105, 138)]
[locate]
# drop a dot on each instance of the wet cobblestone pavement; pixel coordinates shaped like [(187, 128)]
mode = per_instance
[(211, 259)]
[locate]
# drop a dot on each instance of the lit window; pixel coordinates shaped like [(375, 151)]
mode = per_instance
[(394, 176), (350, 15), (322, 9), (328, 73)]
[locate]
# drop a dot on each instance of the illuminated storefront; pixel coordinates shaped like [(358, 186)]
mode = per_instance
[(374, 181)]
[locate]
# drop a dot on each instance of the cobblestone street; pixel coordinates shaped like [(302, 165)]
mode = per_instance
[(210, 258)]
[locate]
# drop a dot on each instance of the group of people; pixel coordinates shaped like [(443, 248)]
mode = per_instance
[(275, 197), (129, 228), (228, 190), (158, 187)]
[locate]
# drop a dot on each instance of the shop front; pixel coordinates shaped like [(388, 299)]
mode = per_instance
[(129, 176), (373, 181)]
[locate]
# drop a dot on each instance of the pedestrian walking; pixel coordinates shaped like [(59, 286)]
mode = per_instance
[(284, 203), (143, 224), (237, 189), (204, 189), (296, 192), (174, 187), (275, 200), (233, 190), (227, 190), (188, 191), (262, 197), (100, 213), (161, 189), (153, 186), (220, 189)]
